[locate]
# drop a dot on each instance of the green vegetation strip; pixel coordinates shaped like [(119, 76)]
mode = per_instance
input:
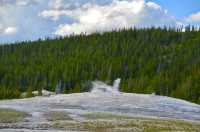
[(57, 115), (11, 116), (104, 122), (101, 115)]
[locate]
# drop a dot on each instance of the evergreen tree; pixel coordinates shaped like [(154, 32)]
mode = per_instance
[(164, 61)]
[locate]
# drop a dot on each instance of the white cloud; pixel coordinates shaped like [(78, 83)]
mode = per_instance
[(90, 18), (10, 30), (194, 17), (7, 30), (56, 4), (154, 5), (1, 28), (76, 16), (22, 2), (18, 2), (53, 14)]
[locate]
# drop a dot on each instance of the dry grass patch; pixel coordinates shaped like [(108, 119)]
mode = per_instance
[(11, 116), (105, 122), (57, 115)]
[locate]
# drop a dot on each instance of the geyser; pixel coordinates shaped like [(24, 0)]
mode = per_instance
[(101, 87)]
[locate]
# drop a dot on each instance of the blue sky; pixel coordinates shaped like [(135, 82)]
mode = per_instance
[(180, 8), (22, 20)]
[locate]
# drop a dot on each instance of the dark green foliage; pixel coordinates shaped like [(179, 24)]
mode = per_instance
[(8, 93), (39, 91), (29, 93), (86, 86), (164, 61)]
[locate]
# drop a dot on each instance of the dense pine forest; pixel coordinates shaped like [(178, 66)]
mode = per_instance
[(162, 61)]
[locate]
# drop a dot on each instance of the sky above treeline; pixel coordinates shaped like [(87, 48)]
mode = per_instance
[(22, 20)]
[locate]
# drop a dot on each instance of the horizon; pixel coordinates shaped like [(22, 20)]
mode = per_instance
[(175, 29)]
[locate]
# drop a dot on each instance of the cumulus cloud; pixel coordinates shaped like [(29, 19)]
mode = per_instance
[(194, 17), (22, 2), (10, 30), (7, 30), (154, 5), (56, 4), (91, 17), (53, 14), (18, 2), (33, 19)]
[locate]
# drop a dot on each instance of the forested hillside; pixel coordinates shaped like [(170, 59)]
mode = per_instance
[(164, 61)]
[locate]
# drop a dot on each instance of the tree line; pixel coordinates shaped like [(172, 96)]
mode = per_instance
[(164, 61)]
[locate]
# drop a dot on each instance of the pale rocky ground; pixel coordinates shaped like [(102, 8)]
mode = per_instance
[(104, 110)]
